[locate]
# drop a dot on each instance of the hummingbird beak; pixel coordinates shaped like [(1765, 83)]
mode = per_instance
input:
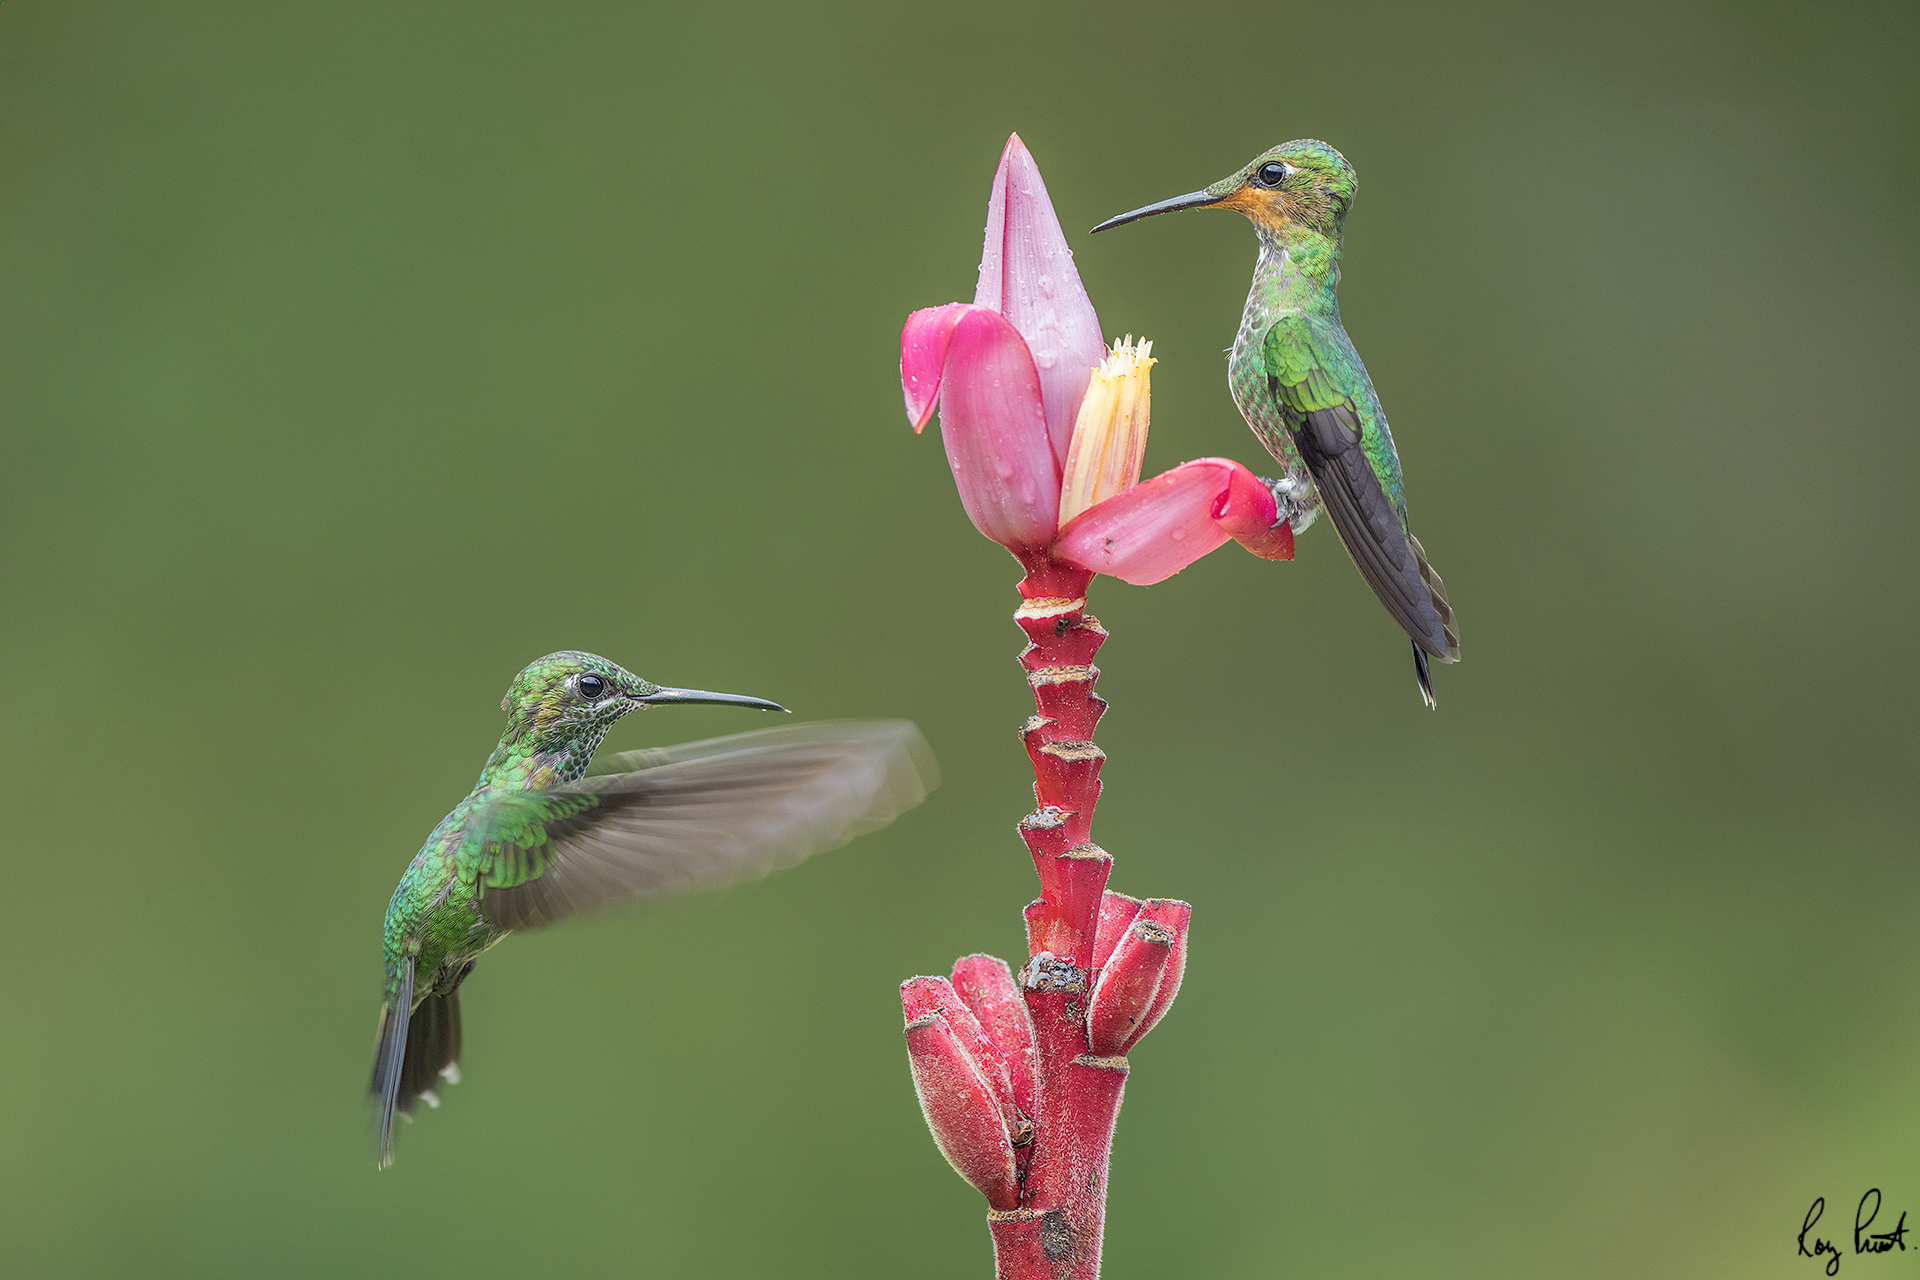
[(661, 696), (1192, 200)]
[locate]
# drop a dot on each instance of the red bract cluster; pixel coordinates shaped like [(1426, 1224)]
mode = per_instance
[(971, 1041), (981, 1075)]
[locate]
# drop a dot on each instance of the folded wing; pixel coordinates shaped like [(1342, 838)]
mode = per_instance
[(1309, 371)]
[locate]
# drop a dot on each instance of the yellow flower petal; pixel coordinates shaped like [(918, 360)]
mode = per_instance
[(1110, 434)]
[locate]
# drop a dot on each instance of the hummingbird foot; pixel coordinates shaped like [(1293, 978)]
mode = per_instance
[(1295, 499)]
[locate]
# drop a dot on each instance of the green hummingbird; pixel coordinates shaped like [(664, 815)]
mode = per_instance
[(1301, 387), (548, 831)]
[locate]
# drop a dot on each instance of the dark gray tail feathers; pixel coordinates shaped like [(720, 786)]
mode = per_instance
[(1437, 592), (418, 1048)]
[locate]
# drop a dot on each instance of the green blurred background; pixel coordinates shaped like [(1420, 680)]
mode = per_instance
[(354, 355)]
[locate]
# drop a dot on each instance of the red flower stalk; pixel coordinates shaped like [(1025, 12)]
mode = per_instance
[(1045, 429)]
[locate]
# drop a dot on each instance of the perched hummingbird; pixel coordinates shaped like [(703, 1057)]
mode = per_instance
[(547, 832), (1301, 387)]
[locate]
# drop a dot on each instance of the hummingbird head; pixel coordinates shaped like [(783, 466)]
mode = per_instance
[(1303, 185), (569, 695)]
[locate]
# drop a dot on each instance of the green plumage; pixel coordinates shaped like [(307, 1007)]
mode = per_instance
[(1301, 386), (546, 833)]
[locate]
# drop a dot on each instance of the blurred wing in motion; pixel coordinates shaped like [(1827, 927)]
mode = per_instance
[(696, 816)]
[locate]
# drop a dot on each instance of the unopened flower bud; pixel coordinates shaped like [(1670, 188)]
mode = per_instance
[(961, 1111), (986, 984), (1117, 911), (1140, 978), (1127, 987), (1173, 915), (921, 996)]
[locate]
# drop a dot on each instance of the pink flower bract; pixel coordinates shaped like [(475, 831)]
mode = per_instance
[(1027, 275), (1162, 525)]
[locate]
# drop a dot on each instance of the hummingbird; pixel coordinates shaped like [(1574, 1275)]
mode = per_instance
[(548, 831), (1301, 387)]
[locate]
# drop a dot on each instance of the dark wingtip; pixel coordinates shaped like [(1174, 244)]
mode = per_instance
[(1423, 675)]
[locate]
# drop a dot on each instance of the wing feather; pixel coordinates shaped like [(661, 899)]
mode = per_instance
[(1368, 524), (1328, 427), (696, 816)]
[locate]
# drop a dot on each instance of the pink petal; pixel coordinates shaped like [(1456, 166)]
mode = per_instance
[(1162, 525), (1249, 516), (1027, 275), (923, 353), (995, 431)]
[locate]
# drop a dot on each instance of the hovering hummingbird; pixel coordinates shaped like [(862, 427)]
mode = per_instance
[(1301, 387), (547, 832)]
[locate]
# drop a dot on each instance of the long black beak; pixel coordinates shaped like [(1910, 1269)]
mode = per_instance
[(1192, 200), (661, 696)]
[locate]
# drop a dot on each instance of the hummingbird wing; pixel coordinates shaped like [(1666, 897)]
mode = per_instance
[(1323, 394), (695, 816)]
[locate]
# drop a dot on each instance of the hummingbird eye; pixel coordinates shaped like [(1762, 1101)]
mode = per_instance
[(1270, 174), (590, 687)]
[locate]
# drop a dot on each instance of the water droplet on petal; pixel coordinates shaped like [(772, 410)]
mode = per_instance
[(1046, 359)]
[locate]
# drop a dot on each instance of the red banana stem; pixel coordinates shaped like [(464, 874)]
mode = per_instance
[(1095, 958)]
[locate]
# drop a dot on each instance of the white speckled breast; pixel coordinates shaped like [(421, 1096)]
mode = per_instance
[(1246, 371)]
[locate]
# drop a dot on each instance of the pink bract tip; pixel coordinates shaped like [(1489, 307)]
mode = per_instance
[(1027, 274)]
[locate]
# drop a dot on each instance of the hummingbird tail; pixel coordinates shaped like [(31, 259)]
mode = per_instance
[(389, 1056), (417, 1050), (1449, 629), (1437, 592)]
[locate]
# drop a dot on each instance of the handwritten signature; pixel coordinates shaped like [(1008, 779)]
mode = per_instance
[(1864, 1241)]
